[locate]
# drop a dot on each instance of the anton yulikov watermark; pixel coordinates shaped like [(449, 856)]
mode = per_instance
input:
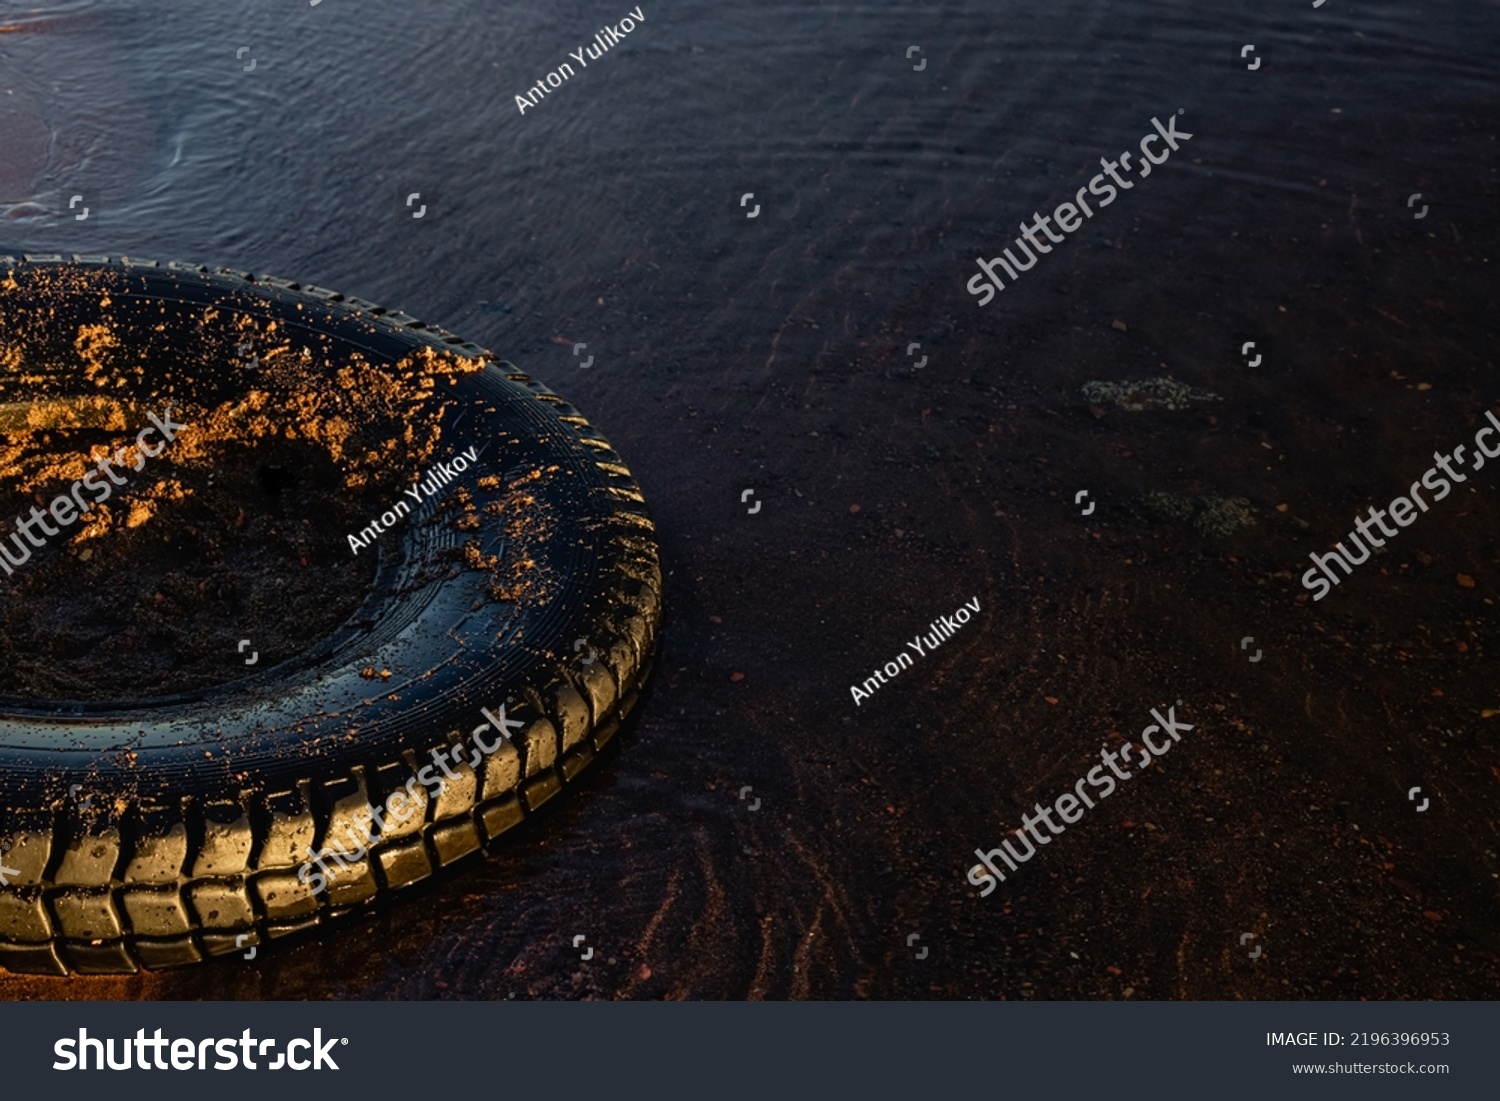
[(1067, 214), (1071, 804), (1402, 510), (607, 37), (943, 628), (402, 805), (68, 508), (437, 479)]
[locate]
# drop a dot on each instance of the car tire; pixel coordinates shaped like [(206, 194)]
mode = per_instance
[(160, 833)]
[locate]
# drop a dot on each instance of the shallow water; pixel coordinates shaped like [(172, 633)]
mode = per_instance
[(772, 353)]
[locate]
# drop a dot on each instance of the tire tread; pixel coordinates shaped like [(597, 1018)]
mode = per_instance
[(171, 885)]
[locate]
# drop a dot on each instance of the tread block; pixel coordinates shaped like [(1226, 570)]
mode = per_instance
[(624, 653), (355, 882), (638, 546), (539, 741), (640, 596), (292, 831), (99, 959), (156, 911), (222, 904), (345, 873), (625, 489), (569, 708), (176, 952), (31, 959), (284, 896), (89, 859), (28, 853), (405, 808), (502, 768), (453, 840), (161, 852), (346, 802), (23, 915), (461, 790), (633, 521), (500, 816), (404, 862), (624, 660), (635, 626), (352, 829), (541, 788), (227, 841), (86, 915), (599, 684)]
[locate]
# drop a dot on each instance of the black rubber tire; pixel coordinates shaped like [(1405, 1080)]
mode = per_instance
[(203, 808)]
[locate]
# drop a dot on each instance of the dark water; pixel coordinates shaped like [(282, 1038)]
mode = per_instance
[(771, 353)]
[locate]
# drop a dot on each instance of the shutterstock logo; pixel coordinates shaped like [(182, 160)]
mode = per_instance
[(1402, 510), (1071, 216), (69, 507), (1071, 805), (141, 1053)]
